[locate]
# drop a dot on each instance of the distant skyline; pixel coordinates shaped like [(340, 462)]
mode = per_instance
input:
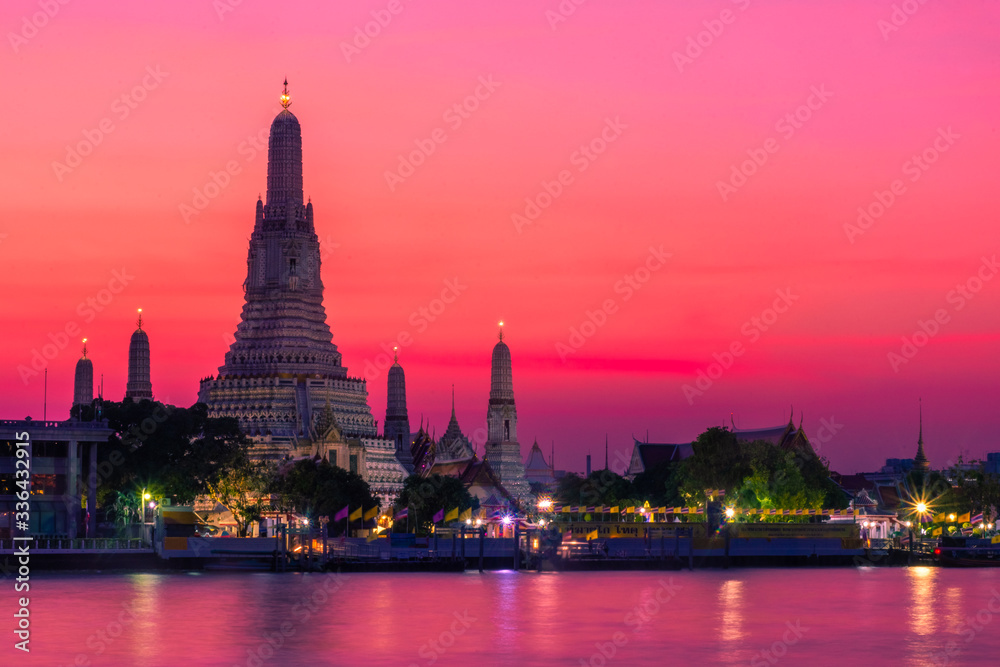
[(685, 214)]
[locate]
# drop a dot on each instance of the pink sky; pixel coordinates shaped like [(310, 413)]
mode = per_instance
[(677, 132)]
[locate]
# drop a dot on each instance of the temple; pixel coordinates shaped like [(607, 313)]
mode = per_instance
[(502, 449), (536, 470), (453, 444), (283, 379), (397, 423), (83, 381), (138, 386)]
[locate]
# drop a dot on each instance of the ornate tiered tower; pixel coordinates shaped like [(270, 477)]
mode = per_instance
[(453, 444), (283, 366), (83, 382), (920, 462), (397, 423), (502, 449), (139, 386)]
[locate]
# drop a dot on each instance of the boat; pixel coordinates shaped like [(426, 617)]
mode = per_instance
[(967, 552)]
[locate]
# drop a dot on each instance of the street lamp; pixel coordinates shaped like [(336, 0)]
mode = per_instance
[(142, 507)]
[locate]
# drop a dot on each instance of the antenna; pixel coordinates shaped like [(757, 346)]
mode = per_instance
[(45, 396)]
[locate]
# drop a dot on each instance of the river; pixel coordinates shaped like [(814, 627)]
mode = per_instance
[(820, 616)]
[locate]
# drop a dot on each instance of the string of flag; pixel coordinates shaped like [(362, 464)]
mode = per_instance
[(599, 509)]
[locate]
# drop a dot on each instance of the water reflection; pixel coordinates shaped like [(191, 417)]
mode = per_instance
[(922, 587), (731, 631)]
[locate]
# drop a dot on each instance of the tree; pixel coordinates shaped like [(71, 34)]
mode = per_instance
[(659, 484), (775, 481), (602, 487), (172, 452), (317, 488), (716, 463), (243, 490), (980, 487), (425, 496)]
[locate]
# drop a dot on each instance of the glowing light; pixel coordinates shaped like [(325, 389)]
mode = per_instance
[(730, 512), (907, 523), (152, 504), (951, 517), (922, 508), (541, 522), (506, 520), (544, 504), (305, 521), (468, 521), (146, 496), (479, 522)]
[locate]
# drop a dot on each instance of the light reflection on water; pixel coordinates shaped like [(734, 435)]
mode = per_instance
[(900, 615)]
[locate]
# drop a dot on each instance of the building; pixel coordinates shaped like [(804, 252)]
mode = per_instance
[(83, 381), (536, 469), (502, 449), (139, 386), (787, 437), (282, 367), (396, 427), (648, 455), (454, 444), (64, 476)]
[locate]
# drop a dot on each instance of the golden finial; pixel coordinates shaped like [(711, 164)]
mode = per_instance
[(84, 348), (501, 329), (286, 100), (395, 353), (138, 322)]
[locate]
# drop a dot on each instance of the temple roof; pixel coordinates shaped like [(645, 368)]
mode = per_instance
[(653, 454), (536, 459)]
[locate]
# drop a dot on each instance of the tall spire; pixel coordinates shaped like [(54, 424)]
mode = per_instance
[(500, 335), (83, 381), (284, 163), (286, 99), (920, 461), (396, 426), (453, 403), (138, 386)]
